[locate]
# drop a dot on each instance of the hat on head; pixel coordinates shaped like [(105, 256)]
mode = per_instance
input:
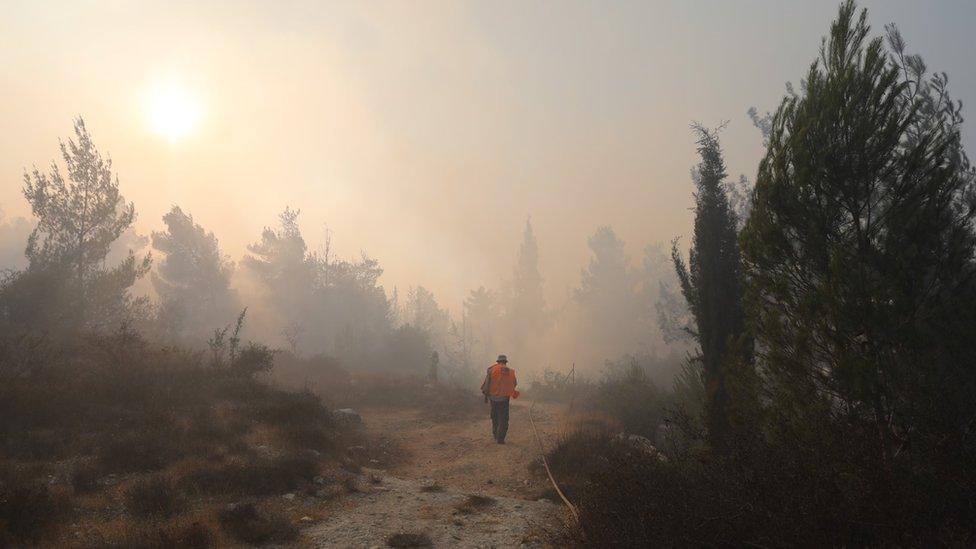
[(502, 359)]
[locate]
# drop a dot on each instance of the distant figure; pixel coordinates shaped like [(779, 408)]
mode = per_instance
[(498, 388), (435, 361)]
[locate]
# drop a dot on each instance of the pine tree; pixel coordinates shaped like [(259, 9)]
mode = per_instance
[(78, 219), (612, 312), (609, 277), (424, 314), (526, 313), (859, 250), (193, 278), (282, 263), (711, 284)]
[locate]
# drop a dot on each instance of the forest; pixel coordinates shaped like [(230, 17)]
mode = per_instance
[(799, 370)]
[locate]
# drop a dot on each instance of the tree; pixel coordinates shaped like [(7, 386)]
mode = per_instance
[(351, 307), (609, 272), (426, 315), (662, 292), (193, 278), (527, 317), (608, 300), (859, 250), (13, 233), (78, 219), (711, 284), (482, 313), (285, 271)]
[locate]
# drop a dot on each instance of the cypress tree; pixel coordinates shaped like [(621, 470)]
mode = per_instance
[(711, 285)]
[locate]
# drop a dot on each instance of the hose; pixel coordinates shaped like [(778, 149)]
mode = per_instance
[(545, 462)]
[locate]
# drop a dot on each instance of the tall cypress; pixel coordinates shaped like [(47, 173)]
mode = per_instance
[(712, 287)]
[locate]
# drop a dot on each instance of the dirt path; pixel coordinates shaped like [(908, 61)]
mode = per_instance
[(430, 493)]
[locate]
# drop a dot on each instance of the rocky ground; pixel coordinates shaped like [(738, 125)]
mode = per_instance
[(407, 513), (455, 488)]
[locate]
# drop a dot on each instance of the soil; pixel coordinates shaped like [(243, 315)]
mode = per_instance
[(455, 486)]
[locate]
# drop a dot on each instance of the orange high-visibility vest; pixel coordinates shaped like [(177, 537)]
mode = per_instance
[(501, 381)]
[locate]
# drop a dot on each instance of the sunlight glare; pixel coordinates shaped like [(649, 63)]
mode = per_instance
[(173, 112)]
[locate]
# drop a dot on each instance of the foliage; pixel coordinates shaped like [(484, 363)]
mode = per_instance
[(526, 315), (711, 285), (285, 270), (423, 313), (860, 249), (626, 393), (193, 278), (79, 216), (483, 317), (609, 307), (160, 423)]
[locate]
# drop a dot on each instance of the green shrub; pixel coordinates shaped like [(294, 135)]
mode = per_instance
[(628, 395)]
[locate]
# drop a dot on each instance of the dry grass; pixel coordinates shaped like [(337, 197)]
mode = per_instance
[(184, 532), (138, 446), (262, 477), (439, 401), (154, 497)]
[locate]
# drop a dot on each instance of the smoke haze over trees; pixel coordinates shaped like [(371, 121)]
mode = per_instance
[(313, 302), (779, 358)]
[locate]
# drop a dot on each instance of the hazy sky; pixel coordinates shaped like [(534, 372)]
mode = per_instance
[(425, 132)]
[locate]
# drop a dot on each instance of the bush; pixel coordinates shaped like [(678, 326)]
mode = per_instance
[(558, 387), (155, 535), (287, 409), (628, 395), (435, 400), (186, 536), (116, 404), (139, 451), (84, 477), (253, 359), (28, 511), (154, 497), (819, 485), (249, 524), (261, 478), (409, 539)]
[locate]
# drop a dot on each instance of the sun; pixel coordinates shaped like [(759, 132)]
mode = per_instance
[(172, 110)]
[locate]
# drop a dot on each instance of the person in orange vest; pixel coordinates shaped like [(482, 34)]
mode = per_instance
[(499, 388)]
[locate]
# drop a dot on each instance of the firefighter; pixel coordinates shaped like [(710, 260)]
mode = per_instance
[(499, 389)]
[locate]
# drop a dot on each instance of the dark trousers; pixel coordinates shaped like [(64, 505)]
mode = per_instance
[(499, 419)]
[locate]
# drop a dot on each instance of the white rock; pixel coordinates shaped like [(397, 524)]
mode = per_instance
[(639, 443), (347, 415)]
